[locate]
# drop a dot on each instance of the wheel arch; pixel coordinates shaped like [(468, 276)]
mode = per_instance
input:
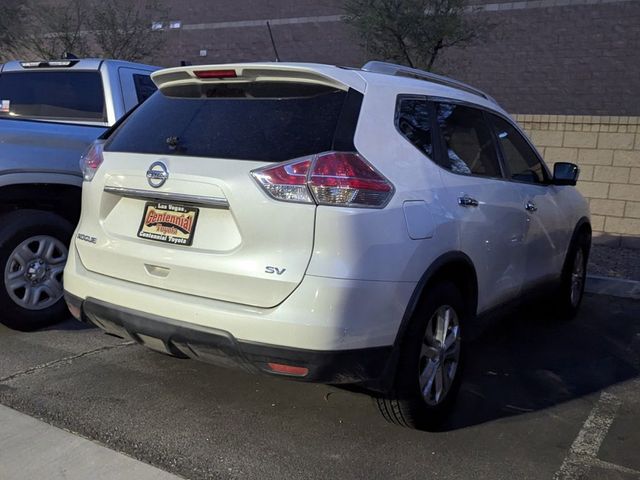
[(61, 198), (454, 266), (583, 227)]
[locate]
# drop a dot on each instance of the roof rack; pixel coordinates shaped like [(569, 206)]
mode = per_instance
[(402, 71)]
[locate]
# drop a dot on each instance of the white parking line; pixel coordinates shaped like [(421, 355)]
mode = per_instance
[(596, 427), (583, 453)]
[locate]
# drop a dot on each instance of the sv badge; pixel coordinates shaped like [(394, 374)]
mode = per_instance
[(276, 270)]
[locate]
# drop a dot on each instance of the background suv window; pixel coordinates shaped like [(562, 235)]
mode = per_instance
[(144, 86), (65, 95), (414, 119), (468, 141), (521, 161)]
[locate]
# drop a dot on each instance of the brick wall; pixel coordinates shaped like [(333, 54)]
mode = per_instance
[(607, 149), (540, 56), (568, 57), (578, 57)]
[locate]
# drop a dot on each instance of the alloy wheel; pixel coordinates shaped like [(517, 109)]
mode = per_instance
[(33, 274), (439, 355), (577, 278)]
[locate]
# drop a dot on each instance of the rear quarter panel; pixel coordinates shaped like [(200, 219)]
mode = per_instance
[(34, 147), (374, 244)]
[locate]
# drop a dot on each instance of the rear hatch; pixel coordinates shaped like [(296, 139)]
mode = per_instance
[(174, 205)]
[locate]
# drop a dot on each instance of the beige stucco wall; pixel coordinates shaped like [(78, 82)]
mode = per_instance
[(607, 149)]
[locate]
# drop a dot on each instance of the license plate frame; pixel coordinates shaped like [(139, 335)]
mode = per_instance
[(168, 222)]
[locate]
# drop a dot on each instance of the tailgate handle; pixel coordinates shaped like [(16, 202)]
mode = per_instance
[(157, 271)]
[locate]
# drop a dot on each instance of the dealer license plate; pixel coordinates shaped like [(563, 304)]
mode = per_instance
[(168, 223)]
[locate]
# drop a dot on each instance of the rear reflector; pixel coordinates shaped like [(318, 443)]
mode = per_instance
[(288, 369), (333, 178), (75, 311), (215, 73)]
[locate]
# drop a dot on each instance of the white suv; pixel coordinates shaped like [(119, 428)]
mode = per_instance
[(321, 223)]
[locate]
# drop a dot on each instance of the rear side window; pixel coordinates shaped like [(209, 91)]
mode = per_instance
[(144, 86), (70, 96), (264, 121), (522, 162), (468, 141), (414, 120)]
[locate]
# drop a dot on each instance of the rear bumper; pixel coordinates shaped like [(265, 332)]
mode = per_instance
[(321, 314), (186, 340)]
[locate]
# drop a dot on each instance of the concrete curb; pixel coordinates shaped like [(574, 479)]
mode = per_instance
[(617, 287), (30, 448)]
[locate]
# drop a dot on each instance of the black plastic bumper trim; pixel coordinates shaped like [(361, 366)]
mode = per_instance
[(186, 340)]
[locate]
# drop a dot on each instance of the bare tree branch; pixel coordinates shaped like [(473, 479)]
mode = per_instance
[(50, 31), (11, 27), (121, 29)]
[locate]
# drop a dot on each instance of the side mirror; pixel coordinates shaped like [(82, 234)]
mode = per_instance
[(565, 173)]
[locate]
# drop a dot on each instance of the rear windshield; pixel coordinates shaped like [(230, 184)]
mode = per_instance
[(63, 96), (265, 121)]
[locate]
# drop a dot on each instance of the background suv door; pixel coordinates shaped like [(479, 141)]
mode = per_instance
[(486, 209), (545, 233)]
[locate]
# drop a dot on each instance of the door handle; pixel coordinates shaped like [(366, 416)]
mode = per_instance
[(530, 206), (467, 201)]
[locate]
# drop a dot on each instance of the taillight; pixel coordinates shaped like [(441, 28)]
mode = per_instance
[(91, 160), (339, 178), (333, 178), (286, 181)]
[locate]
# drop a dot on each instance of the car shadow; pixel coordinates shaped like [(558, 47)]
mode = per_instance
[(68, 325), (71, 324), (531, 359)]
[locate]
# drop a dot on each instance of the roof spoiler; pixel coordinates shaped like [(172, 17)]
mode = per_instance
[(243, 73), (401, 70)]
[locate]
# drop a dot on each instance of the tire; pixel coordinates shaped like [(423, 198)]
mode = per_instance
[(33, 252), (405, 404), (574, 276)]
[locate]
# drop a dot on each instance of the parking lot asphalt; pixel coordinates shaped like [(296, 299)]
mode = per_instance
[(542, 398)]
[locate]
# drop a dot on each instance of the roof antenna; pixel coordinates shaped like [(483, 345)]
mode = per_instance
[(273, 42)]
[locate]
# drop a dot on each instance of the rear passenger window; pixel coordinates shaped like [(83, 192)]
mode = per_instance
[(467, 140), (522, 162), (144, 86), (414, 121)]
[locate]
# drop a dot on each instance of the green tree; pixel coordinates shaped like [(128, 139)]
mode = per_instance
[(411, 32)]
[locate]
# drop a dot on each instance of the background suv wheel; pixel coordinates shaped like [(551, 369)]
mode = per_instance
[(33, 253), (430, 365)]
